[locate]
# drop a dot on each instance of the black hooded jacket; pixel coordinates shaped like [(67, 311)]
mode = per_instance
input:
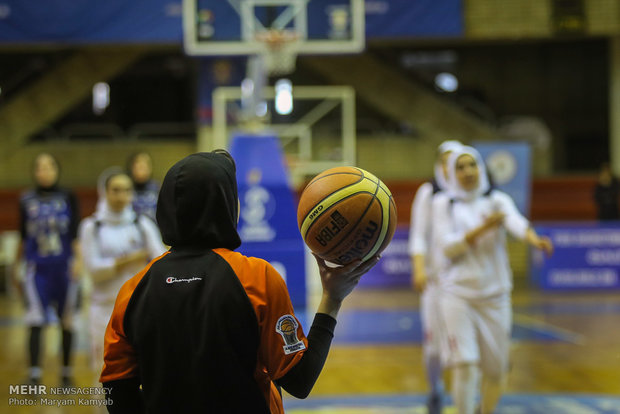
[(199, 329)]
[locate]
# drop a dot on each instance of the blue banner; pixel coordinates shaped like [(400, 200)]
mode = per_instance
[(394, 268), (268, 214), (587, 256), (87, 21), (160, 21), (384, 18), (509, 166)]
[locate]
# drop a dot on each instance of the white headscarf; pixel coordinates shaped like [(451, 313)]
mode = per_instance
[(454, 188), (103, 212), (446, 146)]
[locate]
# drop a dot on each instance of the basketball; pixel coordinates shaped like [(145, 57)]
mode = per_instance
[(346, 213)]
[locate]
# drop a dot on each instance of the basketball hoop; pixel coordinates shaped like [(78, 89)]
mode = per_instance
[(279, 50)]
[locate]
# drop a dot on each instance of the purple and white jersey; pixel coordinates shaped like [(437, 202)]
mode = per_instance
[(48, 223), (145, 199)]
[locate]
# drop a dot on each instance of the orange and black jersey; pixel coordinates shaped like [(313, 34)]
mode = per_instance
[(209, 332)]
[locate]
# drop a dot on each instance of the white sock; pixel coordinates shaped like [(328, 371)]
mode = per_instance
[(464, 385)]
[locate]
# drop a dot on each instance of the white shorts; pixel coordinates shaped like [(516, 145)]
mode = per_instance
[(430, 317), (476, 332)]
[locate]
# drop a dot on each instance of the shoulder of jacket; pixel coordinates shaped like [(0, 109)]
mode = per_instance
[(236, 259)]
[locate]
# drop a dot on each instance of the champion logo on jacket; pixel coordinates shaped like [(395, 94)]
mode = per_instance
[(171, 279)]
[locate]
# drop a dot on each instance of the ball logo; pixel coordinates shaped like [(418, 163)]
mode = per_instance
[(336, 224), (360, 245), (315, 212), (287, 327)]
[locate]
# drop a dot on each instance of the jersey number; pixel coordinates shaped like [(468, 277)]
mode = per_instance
[(49, 244)]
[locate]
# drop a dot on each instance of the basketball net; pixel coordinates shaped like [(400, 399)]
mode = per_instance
[(279, 50)]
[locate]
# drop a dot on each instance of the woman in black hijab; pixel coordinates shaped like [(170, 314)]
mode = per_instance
[(204, 328)]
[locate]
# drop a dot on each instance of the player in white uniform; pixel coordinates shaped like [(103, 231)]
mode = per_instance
[(424, 263), (471, 222), (116, 244)]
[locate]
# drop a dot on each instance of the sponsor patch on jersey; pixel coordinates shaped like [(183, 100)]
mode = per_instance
[(172, 279), (287, 327)]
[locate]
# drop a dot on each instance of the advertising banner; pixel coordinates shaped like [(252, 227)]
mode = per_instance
[(586, 256)]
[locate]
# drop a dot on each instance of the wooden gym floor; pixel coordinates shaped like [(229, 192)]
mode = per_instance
[(565, 357)]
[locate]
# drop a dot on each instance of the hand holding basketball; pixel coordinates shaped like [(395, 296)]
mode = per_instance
[(339, 282)]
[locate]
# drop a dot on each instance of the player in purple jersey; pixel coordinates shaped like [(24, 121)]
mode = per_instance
[(146, 189), (49, 218)]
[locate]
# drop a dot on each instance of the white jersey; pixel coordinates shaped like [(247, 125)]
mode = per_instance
[(481, 270), (102, 243), (421, 235)]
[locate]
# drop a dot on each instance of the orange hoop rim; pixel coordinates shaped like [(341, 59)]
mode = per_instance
[(275, 39)]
